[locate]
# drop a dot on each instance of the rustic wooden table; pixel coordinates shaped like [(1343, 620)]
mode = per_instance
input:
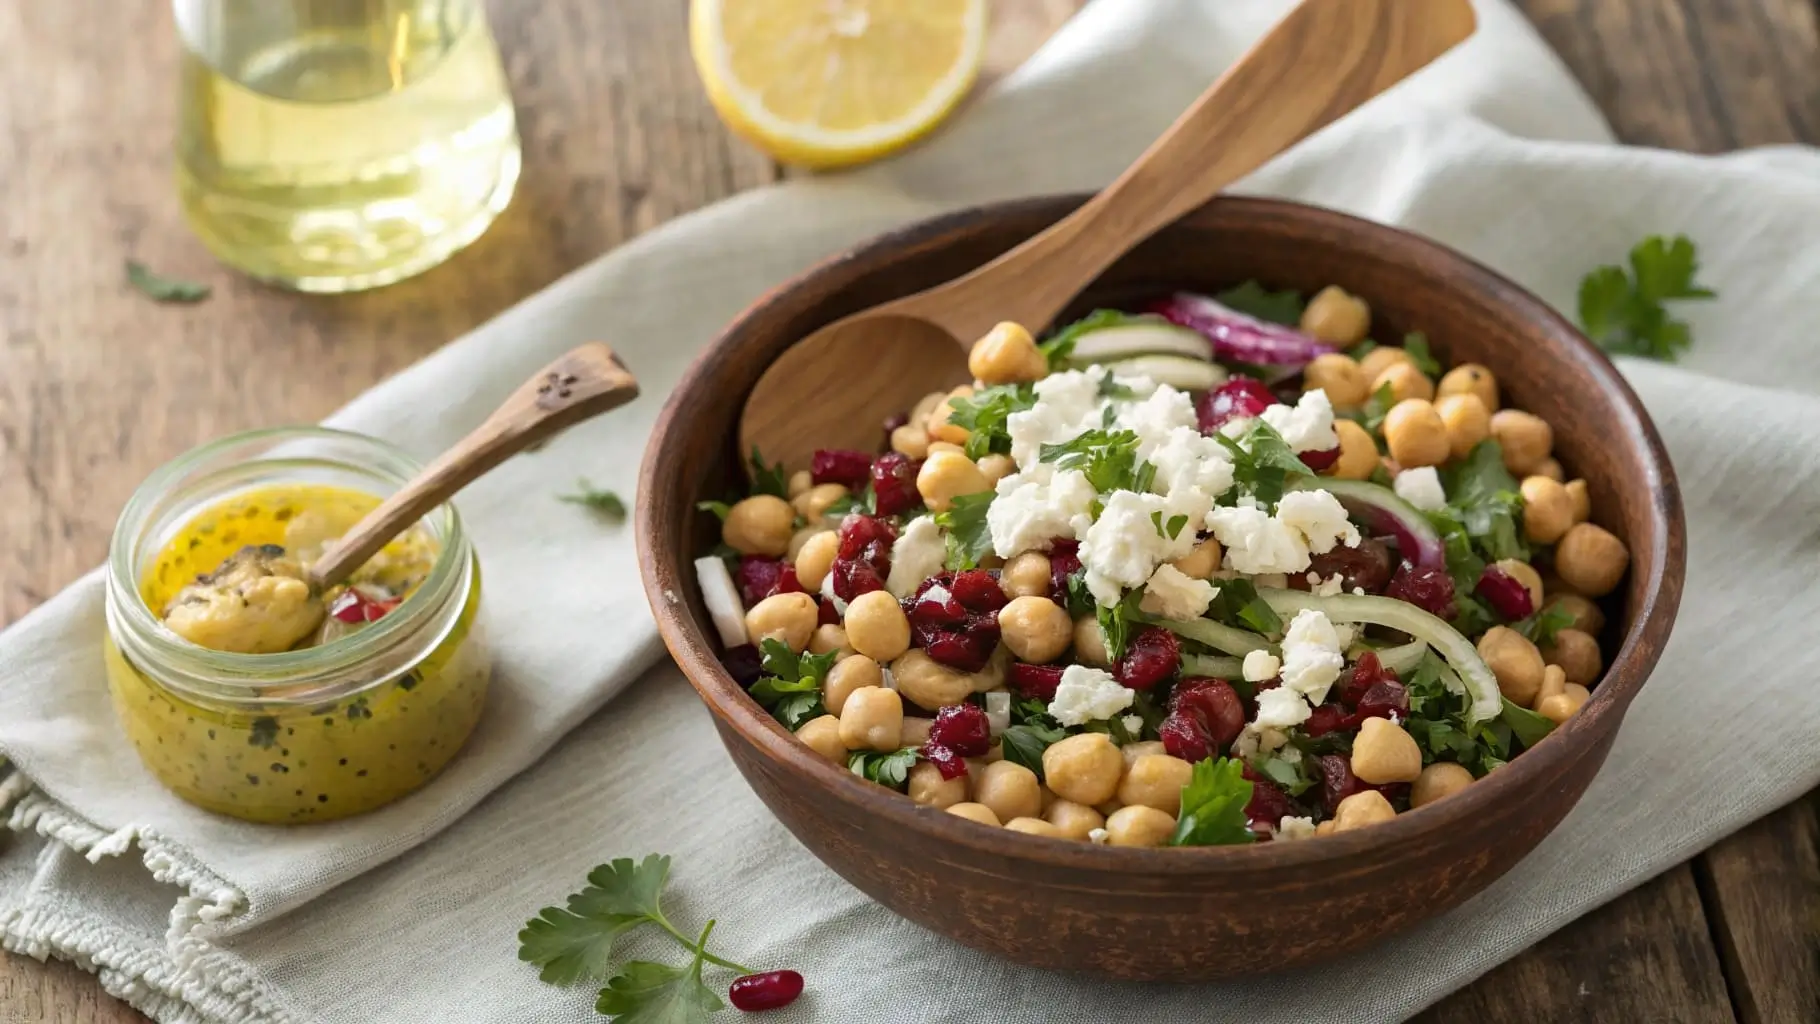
[(97, 387)]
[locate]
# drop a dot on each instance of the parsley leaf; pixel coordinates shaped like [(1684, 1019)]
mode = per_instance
[(1624, 313), (1058, 347), (1213, 805), (1170, 530), (890, 769), (652, 993), (1416, 344), (866, 502), (1262, 461), (1376, 408), (1540, 628), (984, 413), (1238, 603), (1253, 299), (969, 538), (1527, 726), (1115, 622), (1437, 721), (1108, 459), (1488, 501), (769, 479), (719, 508), (1025, 742), (164, 289), (791, 688), (571, 948), (1292, 776), (606, 503)]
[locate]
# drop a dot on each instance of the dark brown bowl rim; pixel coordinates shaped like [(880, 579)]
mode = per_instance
[(693, 649)]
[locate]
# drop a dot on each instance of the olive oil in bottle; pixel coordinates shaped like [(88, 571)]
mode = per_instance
[(335, 145)]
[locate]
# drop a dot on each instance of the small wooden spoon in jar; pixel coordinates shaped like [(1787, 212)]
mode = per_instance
[(833, 388)]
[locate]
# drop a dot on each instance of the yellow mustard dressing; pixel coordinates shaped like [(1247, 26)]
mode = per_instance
[(267, 759)]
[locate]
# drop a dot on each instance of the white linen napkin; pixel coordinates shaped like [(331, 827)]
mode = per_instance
[(1493, 150)]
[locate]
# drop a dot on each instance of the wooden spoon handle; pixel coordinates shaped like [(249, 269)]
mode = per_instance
[(1319, 63), (584, 383)]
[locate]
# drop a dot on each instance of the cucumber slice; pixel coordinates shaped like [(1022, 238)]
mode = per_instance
[(1138, 338), (1175, 371)]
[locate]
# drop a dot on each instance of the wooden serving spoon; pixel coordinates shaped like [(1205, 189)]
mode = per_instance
[(583, 384), (832, 389)]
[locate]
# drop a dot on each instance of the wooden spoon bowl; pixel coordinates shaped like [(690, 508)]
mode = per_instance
[(1211, 912)]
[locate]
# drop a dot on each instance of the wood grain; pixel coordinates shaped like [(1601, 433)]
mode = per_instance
[(97, 387)]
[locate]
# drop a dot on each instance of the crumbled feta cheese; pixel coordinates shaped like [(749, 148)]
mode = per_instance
[(919, 553), (1088, 695), (1257, 739), (1308, 426), (1155, 419), (1173, 594), (1280, 707), (1320, 518), (1292, 827), (1421, 487), (1261, 666), (1256, 542), (1191, 469), (1134, 724), (1311, 656), (1098, 836), (1036, 506), (1067, 405), (1358, 592), (840, 606), (1332, 586), (1123, 547)]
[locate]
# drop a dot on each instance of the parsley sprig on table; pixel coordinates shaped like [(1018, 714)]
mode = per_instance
[(575, 943), (610, 506), (1624, 311)]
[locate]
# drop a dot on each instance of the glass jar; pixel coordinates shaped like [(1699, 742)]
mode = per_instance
[(309, 734)]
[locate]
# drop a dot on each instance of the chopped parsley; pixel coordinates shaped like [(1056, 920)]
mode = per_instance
[(768, 479), (1213, 805), (1031, 733), (164, 289), (1107, 458), (1262, 461), (1415, 343), (1255, 300), (1540, 628), (1116, 620), (969, 538), (1437, 721), (1485, 498), (608, 504), (890, 769), (719, 508), (1624, 312), (984, 415), (1237, 604), (791, 687)]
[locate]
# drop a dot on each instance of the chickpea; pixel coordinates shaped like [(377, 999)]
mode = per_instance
[(1437, 782), (1034, 827), (830, 637), (1404, 381), (847, 677), (1380, 359), (995, 468), (1362, 809), (1132, 751), (1027, 575), (1526, 439), (915, 732), (1581, 501), (816, 558), (1010, 789), (1591, 560), (1554, 683), (910, 439), (1007, 355), (801, 539), (946, 476), (992, 677), (919, 413), (944, 446), (1084, 768), (1072, 820), (974, 812), (759, 525), (800, 482), (1358, 452), (1090, 643), (1339, 375), (790, 619), (1202, 562), (876, 625), (814, 503), (1325, 828), (1578, 655), (1515, 661), (1466, 421), (1551, 468), (1470, 379), (1156, 780), (927, 787), (1036, 629), (1523, 573), (822, 735), (938, 427), (1108, 808), (872, 719), (1547, 510), (1383, 752), (1138, 825), (1563, 706), (1415, 435), (1336, 317), (928, 683), (1588, 618)]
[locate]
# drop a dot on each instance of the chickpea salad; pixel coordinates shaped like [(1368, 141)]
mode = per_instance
[(1219, 569)]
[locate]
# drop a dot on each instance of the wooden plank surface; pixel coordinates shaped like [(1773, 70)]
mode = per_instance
[(97, 388)]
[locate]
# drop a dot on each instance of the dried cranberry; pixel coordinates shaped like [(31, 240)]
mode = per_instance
[(861, 534), (978, 590), (1064, 561), (1366, 567), (1268, 803), (1505, 593), (766, 991), (1365, 673), (1239, 397), (761, 577), (840, 466), (945, 760), (1215, 702), (1385, 700), (1428, 589), (894, 483), (965, 651), (1186, 736), (1037, 681), (935, 604), (1337, 780), (1320, 460), (963, 729), (853, 577), (743, 663), (953, 618), (1152, 654), (1329, 718), (826, 615)]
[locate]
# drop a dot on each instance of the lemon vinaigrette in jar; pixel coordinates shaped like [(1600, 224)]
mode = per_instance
[(334, 145)]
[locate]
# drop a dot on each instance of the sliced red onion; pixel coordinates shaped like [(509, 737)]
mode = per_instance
[(1237, 337)]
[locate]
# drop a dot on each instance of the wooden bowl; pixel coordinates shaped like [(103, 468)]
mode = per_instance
[(1209, 912)]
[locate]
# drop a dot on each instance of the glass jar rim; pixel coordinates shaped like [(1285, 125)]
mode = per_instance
[(236, 677)]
